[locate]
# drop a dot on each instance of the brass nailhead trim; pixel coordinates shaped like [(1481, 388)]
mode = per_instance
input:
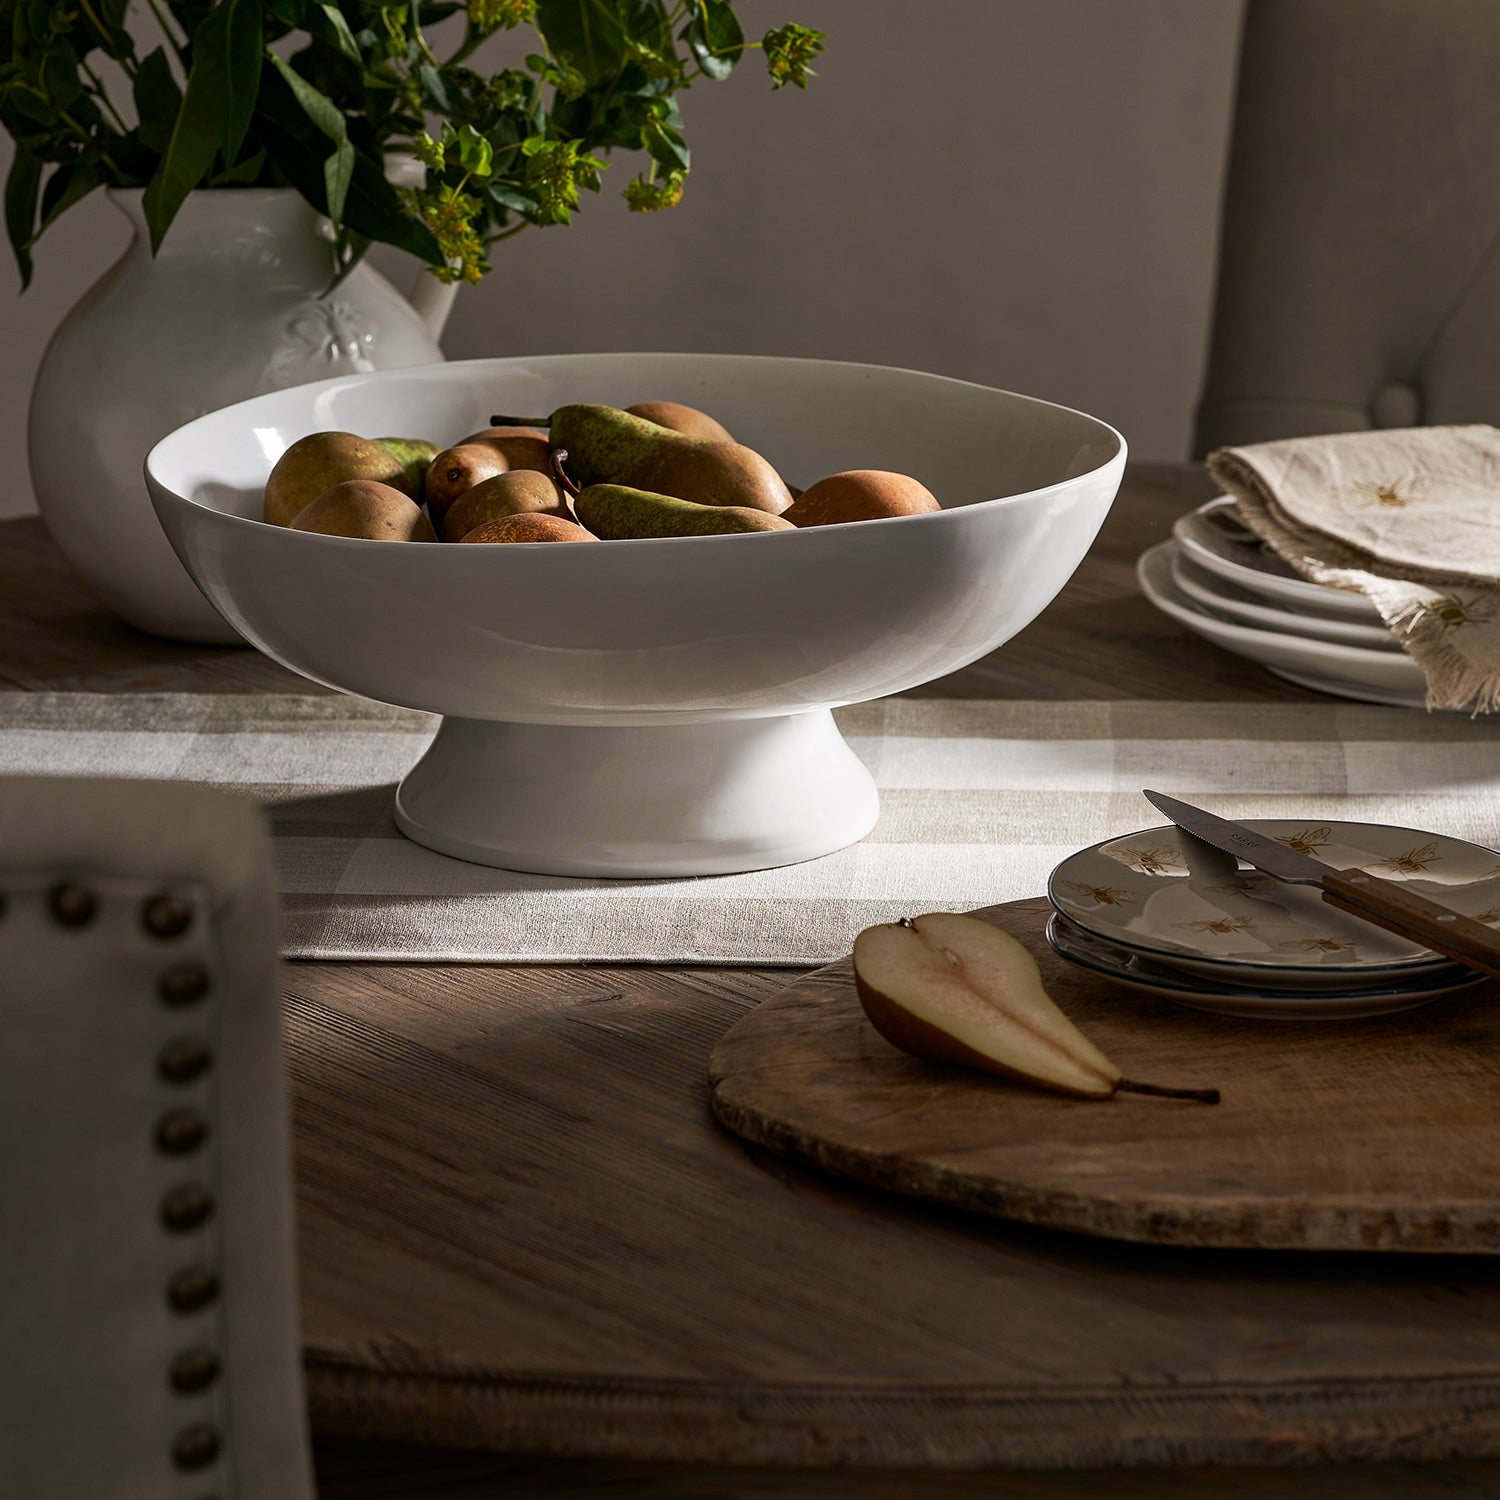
[(192, 1288), (72, 905), (181, 1131), (196, 1447), (183, 1059), (166, 916), (186, 984), (194, 1370), (186, 1207)]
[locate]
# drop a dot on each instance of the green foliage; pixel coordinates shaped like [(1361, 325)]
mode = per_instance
[(313, 94)]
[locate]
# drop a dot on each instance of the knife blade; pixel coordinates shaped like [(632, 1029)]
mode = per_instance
[(1384, 902)]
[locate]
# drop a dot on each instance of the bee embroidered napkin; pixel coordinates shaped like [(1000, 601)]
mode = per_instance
[(1409, 517)]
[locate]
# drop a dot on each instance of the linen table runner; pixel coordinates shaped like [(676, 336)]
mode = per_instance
[(979, 800)]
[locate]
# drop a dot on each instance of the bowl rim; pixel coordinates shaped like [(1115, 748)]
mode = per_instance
[(156, 482)]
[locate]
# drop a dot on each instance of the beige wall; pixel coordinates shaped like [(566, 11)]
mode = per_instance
[(1018, 192)]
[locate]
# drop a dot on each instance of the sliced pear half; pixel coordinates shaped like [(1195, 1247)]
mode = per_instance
[(960, 990)]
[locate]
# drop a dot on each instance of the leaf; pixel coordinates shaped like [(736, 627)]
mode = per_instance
[(587, 33), (666, 145), (157, 100), (215, 112), (722, 33), (69, 183), (237, 67), (22, 188), (509, 197), (335, 31), (299, 150), (474, 152), (338, 168)]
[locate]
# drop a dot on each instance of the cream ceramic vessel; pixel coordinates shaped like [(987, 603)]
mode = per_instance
[(232, 305), (654, 707)]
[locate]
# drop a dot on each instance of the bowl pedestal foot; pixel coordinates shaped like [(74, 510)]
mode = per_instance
[(640, 800)]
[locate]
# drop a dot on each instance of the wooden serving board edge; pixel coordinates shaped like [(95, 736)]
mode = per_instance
[(1194, 1221)]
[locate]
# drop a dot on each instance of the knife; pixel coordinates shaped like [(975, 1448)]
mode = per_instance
[(1387, 904)]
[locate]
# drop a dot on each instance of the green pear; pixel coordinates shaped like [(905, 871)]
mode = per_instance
[(616, 512), (608, 446), (413, 454), (317, 463)]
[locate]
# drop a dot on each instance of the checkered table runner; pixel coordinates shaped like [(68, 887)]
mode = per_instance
[(979, 800)]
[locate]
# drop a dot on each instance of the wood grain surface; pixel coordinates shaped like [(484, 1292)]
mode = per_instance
[(1378, 1134), (522, 1230)]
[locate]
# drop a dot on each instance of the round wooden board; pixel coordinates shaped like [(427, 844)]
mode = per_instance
[(1379, 1134)]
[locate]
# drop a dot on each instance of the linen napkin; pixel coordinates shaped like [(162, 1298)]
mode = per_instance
[(1409, 517)]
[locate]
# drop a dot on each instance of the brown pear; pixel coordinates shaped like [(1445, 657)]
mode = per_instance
[(608, 446), (517, 492), (529, 526), (318, 462), (960, 990), (860, 495), (681, 418), (456, 470), (617, 513), (363, 508), (488, 434)]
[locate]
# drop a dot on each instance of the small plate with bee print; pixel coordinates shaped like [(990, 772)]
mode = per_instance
[(1139, 972), (1198, 910)]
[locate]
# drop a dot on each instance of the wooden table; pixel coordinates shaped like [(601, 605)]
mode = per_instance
[(521, 1231)]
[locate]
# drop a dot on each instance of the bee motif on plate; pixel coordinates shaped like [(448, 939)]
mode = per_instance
[(1412, 862), (1310, 841), (1100, 895), (1319, 945), (1219, 926), (1155, 861)]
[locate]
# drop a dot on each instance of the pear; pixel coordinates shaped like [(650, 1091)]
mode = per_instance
[(960, 990), (516, 492), (681, 418), (414, 455), (860, 495), (363, 508), (529, 526), (608, 446), (457, 470), (318, 462), (488, 434), (617, 512)]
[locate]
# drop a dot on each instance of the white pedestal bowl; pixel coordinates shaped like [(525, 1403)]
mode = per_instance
[(656, 707)]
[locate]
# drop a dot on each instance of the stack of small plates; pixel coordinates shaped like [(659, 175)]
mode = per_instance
[(1164, 913), (1221, 581)]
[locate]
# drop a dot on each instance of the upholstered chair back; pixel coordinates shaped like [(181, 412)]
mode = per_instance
[(1359, 270), (148, 1342)]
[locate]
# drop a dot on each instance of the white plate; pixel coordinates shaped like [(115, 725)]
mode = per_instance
[(1346, 671), (1193, 908), (1218, 593), (1215, 538), (1138, 972)]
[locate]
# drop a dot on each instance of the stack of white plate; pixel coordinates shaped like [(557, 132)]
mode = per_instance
[(1221, 581), (1180, 919)]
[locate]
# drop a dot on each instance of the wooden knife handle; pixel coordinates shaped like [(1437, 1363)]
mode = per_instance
[(1401, 910)]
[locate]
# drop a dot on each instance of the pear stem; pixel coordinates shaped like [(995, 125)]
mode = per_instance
[(1203, 1096), (500, 420), (558, 458)]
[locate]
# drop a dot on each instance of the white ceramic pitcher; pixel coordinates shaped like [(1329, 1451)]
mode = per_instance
[(231, 306)]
